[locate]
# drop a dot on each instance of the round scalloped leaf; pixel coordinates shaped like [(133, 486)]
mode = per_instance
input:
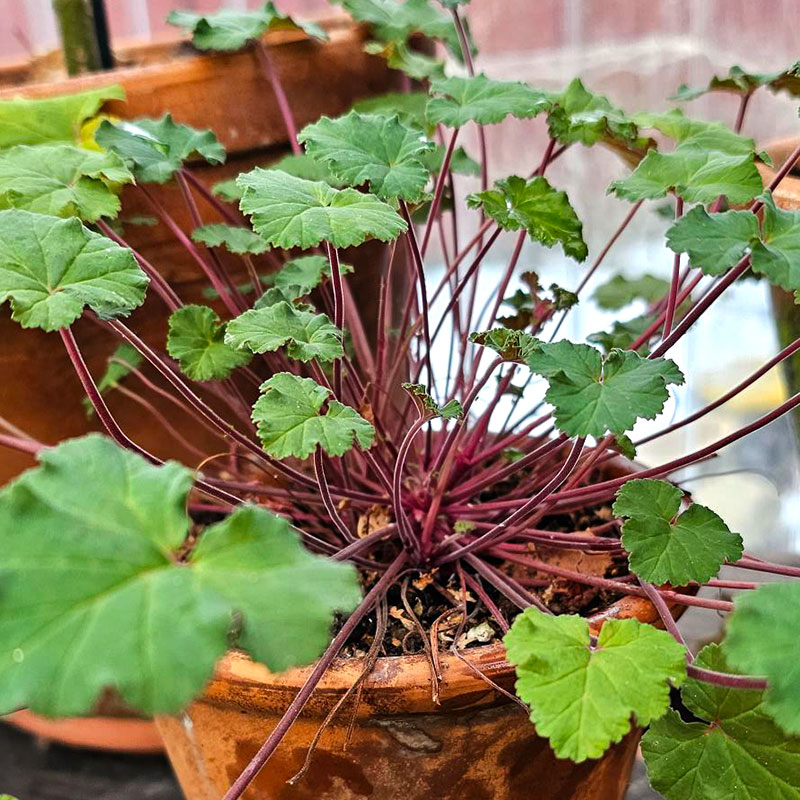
[(377, 149), (667, 547), (98, 592), (292, 212), (197, 339), (544, 212), (62, 180), (582, 698), (714, 242), (290, 423), (739, 754), (52, 268), (593, 395), (457, 101), (155, 149), (305, 335)]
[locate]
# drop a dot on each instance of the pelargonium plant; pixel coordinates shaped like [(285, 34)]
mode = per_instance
[(354, 462)]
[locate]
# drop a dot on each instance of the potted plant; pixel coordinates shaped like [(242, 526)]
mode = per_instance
[(342, 594)]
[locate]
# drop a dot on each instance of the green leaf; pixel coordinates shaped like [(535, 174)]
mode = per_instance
[(622, 334), (777, 255), (762, 640), (621, 291), (121, 363), (456, 101), (739, 754), (710, 160), (197, 339), (400, 56), (230, 29), (739, 81), (397, 20), (409, 107), (302, 166), (428, 407), (667, 547), (581, 697), (232, 237), (578, 115), (714, 242), (375, 149), (538, 208), (155, 149), (305, 335), (51, 269), (512, 345), (593, 395), (52, 120), (98, 593), (62, 180), (300, 275), (290, 423), (292, 212)]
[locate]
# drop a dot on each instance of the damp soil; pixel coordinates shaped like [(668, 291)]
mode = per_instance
[(427, 607)]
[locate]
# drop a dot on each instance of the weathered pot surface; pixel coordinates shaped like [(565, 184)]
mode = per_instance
[(474, 745)]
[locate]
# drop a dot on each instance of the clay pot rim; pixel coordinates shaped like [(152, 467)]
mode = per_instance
[(406, 673)]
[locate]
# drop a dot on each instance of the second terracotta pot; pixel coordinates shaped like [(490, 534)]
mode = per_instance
[(474, 745)]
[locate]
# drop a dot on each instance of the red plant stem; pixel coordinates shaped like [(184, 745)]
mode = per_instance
[(320, 668), (740, 387), (338, 312), (456, 261), (423, 292), (496, 613), (271, 73), (206, 410), (470, 488), (160, 286), (496, 534), (663, 611), (221, 208), (197, 221), (96, 399), (403, 525), (501, 289), (743, 103), (615, 585), (727, 679), (674, 283), (765, 566), (598, 261), (465, 278), (376, 537), (190, 248), (506, 585), (589, 494), (357, 333), (110, 424), (483, 456), (470, 64), (162, 420), (29, 446), (438, 191), (325, 492)]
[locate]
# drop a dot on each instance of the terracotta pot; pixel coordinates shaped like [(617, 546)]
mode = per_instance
[(475, 745), (784, 309), (114, 734)]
